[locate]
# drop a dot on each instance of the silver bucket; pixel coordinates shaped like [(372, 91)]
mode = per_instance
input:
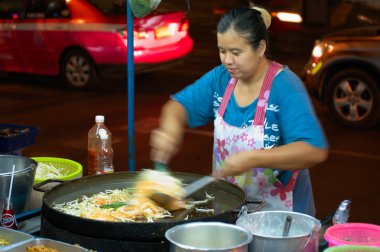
[(267, 229), (208, 236), (25, 169)]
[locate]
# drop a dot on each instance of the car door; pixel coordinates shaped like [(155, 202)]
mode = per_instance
[(11, 11), (41, 36)]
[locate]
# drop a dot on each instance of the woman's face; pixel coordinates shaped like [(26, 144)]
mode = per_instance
[(240, 59)]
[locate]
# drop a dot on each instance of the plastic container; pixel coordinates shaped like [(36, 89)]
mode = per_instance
[(352, 248), (353, 234), (14, 138), (72, 168), (94, 144), (105, 156)]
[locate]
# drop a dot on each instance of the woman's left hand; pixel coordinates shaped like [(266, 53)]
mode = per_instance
[(292, 156), (235, 165)]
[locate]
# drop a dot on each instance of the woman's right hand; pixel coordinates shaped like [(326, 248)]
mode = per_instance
[(166, 140), (163, 145)]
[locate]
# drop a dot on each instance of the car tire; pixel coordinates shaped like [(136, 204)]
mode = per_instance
[(352, 99), (78, 70)]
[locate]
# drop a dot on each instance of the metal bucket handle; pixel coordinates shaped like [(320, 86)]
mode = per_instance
[(244, 209), (37, 187), (314, 229)]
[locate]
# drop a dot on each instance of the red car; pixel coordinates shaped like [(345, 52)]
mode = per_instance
[(86, 39)]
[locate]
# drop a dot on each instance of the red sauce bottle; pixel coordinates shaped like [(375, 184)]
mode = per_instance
[(8, 217)]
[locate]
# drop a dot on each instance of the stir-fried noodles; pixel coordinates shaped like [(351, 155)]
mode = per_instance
[(132, 204)]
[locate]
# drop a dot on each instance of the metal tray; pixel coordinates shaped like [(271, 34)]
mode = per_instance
[(60, 246), (13, 237)]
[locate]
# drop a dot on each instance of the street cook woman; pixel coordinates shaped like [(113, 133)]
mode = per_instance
[(266, 133)]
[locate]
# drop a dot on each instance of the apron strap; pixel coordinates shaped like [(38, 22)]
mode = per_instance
[(226, 97), (262, 105), (263, 97), (264, 93)]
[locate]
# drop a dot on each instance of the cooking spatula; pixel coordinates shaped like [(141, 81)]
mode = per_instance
[(163, 199), (197, 185)]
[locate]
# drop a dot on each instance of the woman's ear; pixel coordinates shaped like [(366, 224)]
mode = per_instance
[(262, 48)]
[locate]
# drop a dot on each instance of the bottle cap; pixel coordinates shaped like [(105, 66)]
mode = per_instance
[(99, 118)]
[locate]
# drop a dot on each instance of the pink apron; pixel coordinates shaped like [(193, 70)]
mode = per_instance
[(258, 183)]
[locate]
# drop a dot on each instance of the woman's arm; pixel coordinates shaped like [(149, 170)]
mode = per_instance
[(192, 106), (166, 140), (296, 155)]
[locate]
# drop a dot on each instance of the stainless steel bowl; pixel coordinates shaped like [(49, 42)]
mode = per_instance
[(208, 236), (267, 229), (25, 169)]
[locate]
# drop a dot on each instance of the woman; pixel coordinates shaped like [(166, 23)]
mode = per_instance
[(266, 133)]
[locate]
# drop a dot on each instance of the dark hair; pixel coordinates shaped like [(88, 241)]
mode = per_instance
[(247, 22)]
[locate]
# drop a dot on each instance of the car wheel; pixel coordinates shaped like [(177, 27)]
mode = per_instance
[(78, 69), (352, 98)]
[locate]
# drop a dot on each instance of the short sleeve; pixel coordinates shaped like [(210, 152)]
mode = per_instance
[(197, 98)]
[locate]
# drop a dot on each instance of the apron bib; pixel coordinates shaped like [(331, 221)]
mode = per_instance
[(258, 183)]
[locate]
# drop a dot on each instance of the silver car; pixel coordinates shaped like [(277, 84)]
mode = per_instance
[(344, 74)]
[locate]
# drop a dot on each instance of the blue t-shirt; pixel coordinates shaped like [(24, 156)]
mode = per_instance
[(290, 117)]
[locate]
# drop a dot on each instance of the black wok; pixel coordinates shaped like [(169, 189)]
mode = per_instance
[(228, 199)]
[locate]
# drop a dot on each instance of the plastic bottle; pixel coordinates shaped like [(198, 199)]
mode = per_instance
[(8, 217), (342, 213), (105, 155), (94, 144)]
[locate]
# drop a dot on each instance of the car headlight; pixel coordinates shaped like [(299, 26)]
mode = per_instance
[(321, 48), (317, 51)]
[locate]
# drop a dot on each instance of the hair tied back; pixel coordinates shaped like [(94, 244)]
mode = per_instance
[(264, 14)]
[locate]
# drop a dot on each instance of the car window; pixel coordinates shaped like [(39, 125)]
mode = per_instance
[(14, 9), (47, 9), (110, 7)]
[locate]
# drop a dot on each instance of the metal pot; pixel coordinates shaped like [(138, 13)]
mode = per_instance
[(208, 236), (25, 169), (228, 198), (267, 229)]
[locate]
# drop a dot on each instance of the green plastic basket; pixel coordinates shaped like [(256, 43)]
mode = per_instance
[(74, 169), (352, 248)]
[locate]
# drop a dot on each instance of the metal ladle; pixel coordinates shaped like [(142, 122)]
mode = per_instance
[(288, 223)]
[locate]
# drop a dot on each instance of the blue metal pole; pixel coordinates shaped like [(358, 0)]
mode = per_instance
[(130, 72)]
